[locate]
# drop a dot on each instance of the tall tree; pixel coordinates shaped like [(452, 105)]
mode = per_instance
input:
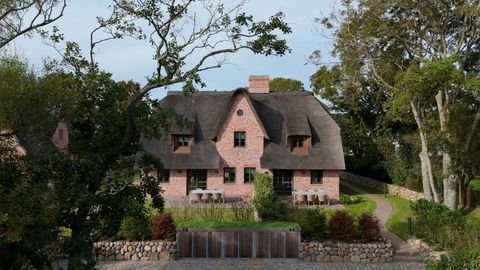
[(106, 118), (285, 85), (383, 38), (22, 17)]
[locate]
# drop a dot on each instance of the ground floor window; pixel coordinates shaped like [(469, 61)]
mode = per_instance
[(229, 175), (283, 182), (317, 176), (248, 175), (196, 179), (163, 176)]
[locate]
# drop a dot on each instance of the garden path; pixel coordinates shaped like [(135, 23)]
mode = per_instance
[(383, 211)]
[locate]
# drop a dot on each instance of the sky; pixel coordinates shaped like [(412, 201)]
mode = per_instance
[(132, 60)]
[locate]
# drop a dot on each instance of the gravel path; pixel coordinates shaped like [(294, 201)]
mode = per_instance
[(247, 264), (383, 211)]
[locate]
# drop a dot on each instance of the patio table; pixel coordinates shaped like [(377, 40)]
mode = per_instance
[(312, 192)]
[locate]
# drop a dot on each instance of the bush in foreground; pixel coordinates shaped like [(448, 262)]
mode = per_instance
[(465, 260), (341, 226), (369, 227), (163, 227), (134, 228), (314, 224)]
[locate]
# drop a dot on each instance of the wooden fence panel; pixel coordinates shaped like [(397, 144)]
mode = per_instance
[(245, 243), (230, 244), (292, 245), (214, 244), (277, 244)]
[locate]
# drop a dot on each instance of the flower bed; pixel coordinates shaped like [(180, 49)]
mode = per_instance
[(332, 251)]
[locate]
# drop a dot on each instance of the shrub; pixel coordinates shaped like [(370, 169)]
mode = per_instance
[(341, 226), (163, 227), (467, 260), (242, 211), (263, 194), (314, 224), (212, 212), (369, 227), (134, 228), (344, 199)]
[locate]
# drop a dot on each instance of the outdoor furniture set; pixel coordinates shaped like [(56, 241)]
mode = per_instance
[(310, 197), (207, 195)]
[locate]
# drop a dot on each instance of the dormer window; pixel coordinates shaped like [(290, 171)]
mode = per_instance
[(298, 144), (297, 141), (182, 143)]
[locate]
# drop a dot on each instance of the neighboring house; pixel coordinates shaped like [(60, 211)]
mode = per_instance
[(289, 135), (59, 137)]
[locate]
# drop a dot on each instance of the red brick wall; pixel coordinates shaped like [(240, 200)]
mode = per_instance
[(177, 184), (259, 84), (238, 157), (331, 182)]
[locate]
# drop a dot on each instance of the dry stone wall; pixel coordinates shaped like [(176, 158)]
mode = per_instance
[(330, 251), (425, 250), (135, 250), (391, 189)]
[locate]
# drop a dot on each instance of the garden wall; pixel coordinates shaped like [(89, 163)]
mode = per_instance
[(391, 189), (330, 251), (135, 250), (425, 250)]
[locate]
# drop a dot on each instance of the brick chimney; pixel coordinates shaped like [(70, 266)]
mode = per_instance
[(258, 84)]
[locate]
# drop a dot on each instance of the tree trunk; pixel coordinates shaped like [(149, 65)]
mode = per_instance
[(428, 182), (449, 177)]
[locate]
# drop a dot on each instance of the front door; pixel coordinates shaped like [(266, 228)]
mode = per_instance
[(282, 182), (196, 179)]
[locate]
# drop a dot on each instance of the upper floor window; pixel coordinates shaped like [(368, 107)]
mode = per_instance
[(182, 143), (239, 138), (298, 144), (248, 175), (163, 176), (297, 141), (229, 175), (317, 177)]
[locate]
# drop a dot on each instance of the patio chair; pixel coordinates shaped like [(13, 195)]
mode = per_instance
[(217, 197), (310, 198), (302, 198), (206, 197), (195, 197), (322, 198)]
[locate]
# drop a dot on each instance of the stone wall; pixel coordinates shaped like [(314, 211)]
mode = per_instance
[(391, 189), (135, 250), (425, 250), (330, 251)]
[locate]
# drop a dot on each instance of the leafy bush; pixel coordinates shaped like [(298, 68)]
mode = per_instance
[(163, 227), (344, 199), (341, 226), (263, 194), (467, 260), (369, 227), (134, 228), (314, 224)]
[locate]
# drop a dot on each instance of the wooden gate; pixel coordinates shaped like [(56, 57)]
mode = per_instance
[(238, 243)]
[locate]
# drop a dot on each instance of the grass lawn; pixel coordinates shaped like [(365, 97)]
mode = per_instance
[(397, 222), (356, 209), (236, 224)]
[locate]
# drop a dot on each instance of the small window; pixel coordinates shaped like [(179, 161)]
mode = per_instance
[(163, 176), (229, 175), (240, 112), (239, 139), (182, 140), (297, 141), (317, 177), (248, 175)]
